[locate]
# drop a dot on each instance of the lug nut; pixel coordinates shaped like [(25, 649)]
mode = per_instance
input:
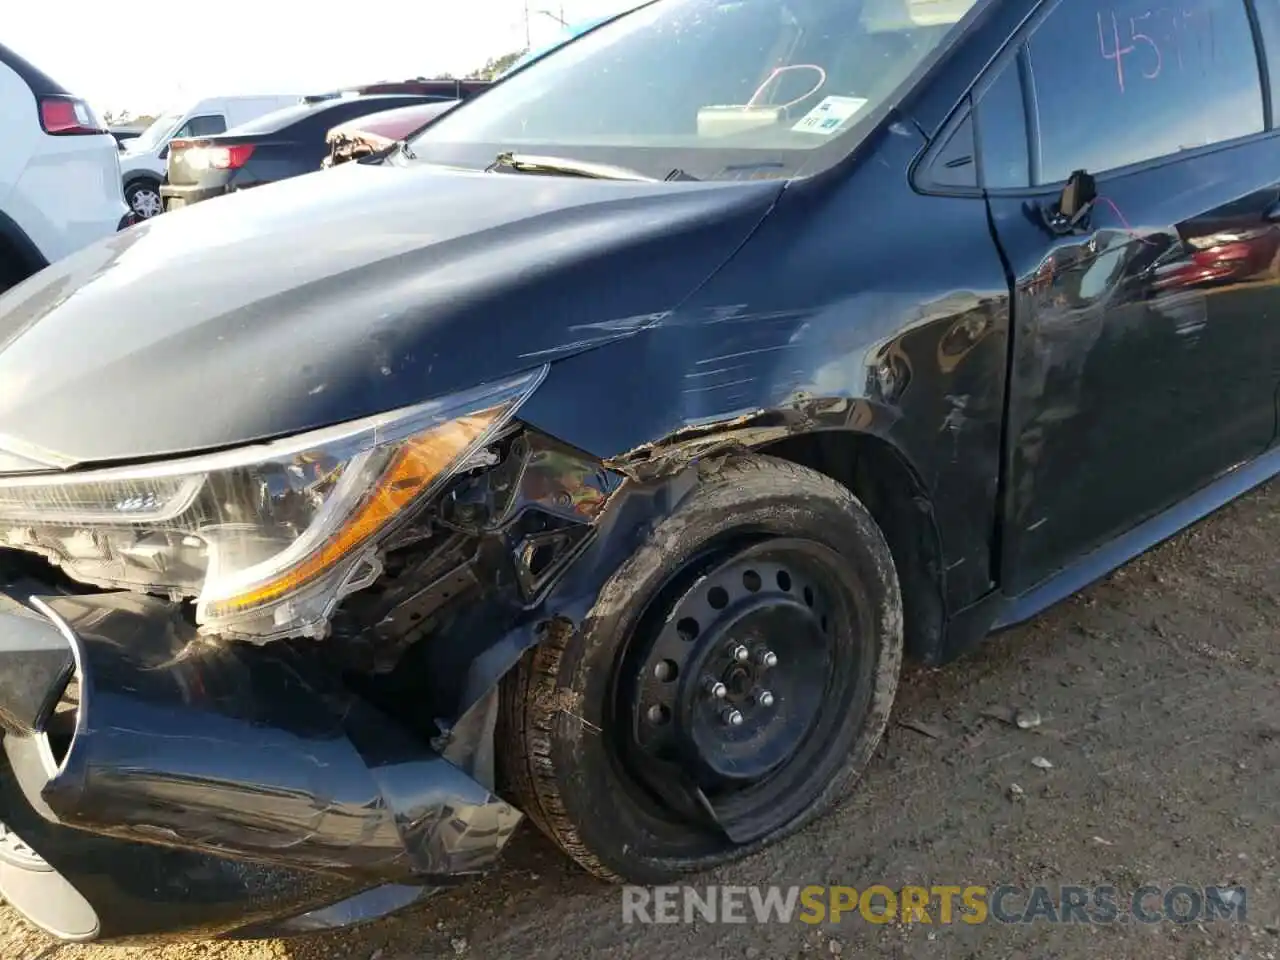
[(764, 698), (716, 688), (662, 670), (656, 714), (741, 653), (768, 658), (733, 717)]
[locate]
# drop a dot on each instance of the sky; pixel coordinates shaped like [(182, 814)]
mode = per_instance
[(179, 52)]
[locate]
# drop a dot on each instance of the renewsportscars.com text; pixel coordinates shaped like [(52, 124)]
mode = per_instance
[(942, 904)]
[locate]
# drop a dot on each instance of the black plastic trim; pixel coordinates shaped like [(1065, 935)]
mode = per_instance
[(924, 178), (16, 239), (39, 82), (1264, 18)]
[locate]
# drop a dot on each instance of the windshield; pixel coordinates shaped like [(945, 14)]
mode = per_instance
[(713, 87), (156, 134), (568, 33)]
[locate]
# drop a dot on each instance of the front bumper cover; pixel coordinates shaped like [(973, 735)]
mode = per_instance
[(214, 789), (164, 785)]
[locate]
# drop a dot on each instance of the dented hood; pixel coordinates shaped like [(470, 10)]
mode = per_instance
[(342, 294)]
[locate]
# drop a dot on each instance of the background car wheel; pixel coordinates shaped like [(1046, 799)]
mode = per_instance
[(37, 890), (729, 686), (143, 197)]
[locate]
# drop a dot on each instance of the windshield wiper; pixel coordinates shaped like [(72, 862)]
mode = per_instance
[(526, 163)]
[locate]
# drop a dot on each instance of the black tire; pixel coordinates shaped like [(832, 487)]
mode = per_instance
[(151, 189), (12, 272), (556, 735)]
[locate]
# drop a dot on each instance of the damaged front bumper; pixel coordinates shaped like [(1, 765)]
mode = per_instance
[(158, 784)]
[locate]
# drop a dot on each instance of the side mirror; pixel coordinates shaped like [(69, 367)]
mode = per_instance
[(1074, 203), (1077, 196), (164, 152)]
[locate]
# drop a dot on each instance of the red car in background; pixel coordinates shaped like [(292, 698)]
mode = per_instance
[(1233, 246)]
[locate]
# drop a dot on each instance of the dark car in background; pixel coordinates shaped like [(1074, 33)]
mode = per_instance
[(444, 89), (124, 134), (282, 144), (366, 136), (450, 88)]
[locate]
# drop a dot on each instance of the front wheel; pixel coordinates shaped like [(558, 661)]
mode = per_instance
[(729, 686), (143, 197)]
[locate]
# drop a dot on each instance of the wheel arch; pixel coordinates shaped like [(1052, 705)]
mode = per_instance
[(848, 440), (142, 176), (15, 242), (881, 476), (656, 478)]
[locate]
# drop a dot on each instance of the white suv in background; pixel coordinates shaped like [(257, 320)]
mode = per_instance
[(59, 173)]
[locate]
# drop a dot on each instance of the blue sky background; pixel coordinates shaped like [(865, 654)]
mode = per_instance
[(152, 58)]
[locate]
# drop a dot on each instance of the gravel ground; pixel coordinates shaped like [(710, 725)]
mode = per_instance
[(1157, 694)]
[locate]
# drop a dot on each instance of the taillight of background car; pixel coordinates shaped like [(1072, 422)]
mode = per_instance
[(222, 158), (63, 116)]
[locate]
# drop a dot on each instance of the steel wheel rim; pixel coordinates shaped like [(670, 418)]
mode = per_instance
[(762, 791), (14, 850), (146, 203)]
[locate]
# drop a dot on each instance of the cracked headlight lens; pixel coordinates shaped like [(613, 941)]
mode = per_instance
[(267, 538)]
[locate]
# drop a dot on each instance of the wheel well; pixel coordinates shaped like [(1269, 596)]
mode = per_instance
[(15, 262), (887, 486), (141, 178)]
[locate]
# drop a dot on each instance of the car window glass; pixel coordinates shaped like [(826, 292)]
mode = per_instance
[(277, 120), (339, 113), (203, 126), (780, 78), (156, 134), (1002, 132), (954, 166), (1119, 82)]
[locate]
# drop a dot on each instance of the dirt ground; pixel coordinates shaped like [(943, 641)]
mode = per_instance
[(1160, 714)]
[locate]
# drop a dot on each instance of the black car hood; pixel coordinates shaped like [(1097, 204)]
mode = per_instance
[(338, 295)]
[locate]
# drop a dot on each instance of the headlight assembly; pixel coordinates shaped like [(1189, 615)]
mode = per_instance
[(267, 538)]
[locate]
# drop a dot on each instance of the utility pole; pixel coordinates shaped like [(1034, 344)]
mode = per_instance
[(558, 19), (528, 36)]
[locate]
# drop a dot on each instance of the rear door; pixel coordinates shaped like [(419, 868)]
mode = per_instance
[(1147, 339)]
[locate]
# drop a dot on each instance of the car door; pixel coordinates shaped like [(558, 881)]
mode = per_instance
[(1147, 336)]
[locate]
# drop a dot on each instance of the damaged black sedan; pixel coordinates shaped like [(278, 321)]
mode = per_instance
[(597, 455)]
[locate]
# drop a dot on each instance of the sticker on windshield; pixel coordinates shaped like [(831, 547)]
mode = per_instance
[(830, 115)]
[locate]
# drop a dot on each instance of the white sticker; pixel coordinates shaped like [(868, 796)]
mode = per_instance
[(830, 115)]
